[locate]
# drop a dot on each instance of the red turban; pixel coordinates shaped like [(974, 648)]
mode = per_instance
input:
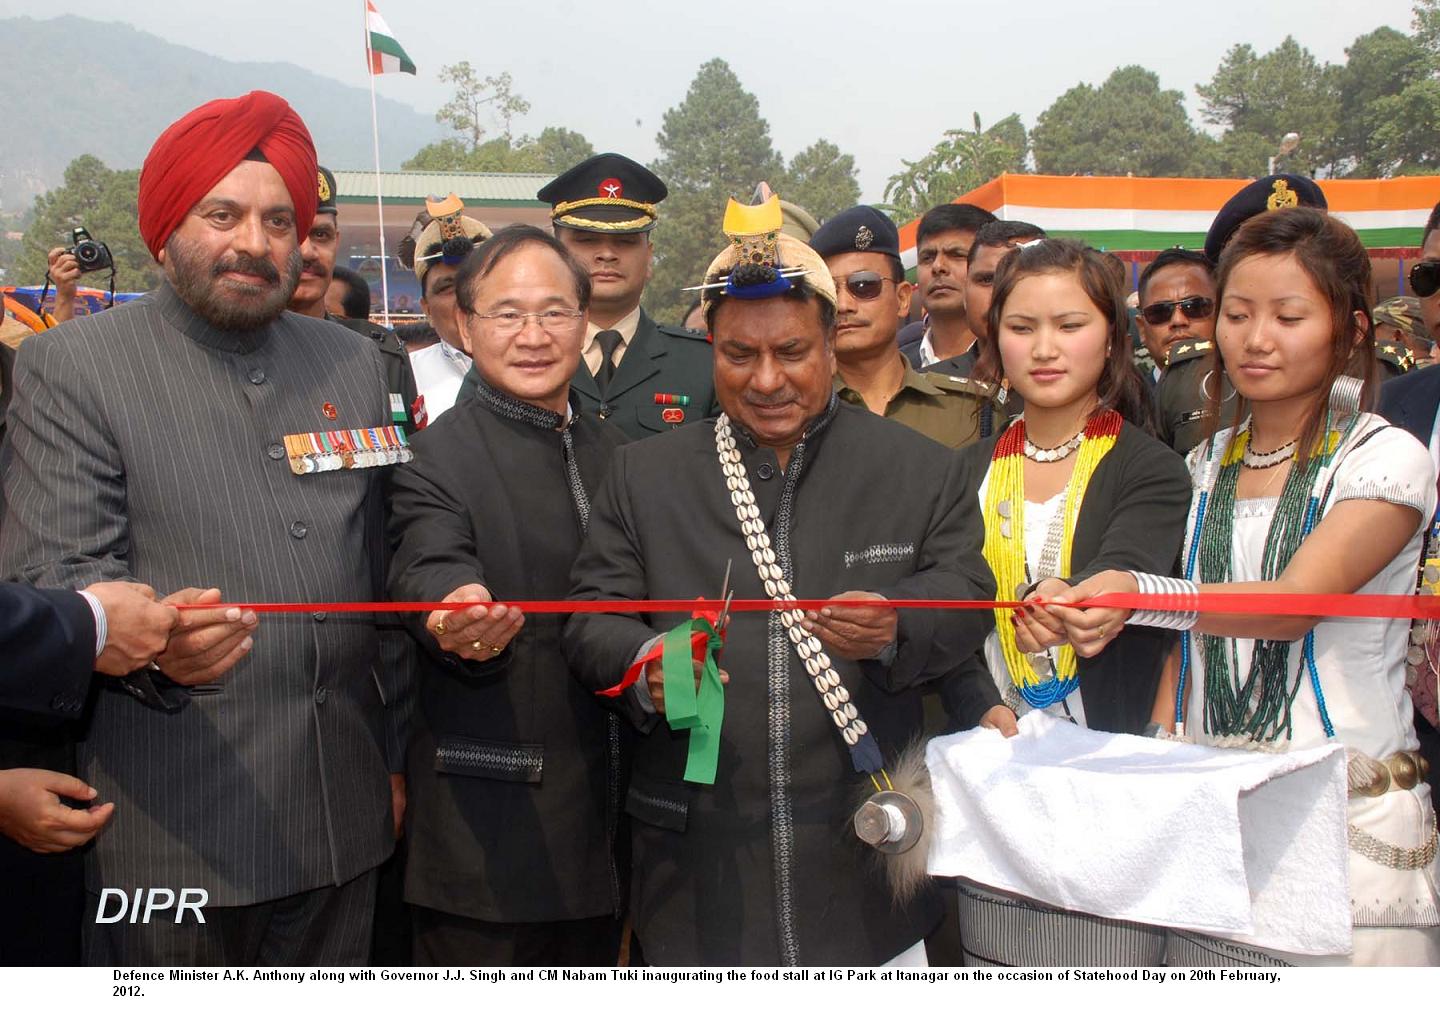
[(198, 150)]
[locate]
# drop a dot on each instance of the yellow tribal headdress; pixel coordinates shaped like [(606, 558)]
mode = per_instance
[(767, 258), (452, 234)]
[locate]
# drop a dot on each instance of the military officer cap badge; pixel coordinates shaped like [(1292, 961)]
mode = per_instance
[(861, 229), (325, 191), (607, 193), (1269, 193)]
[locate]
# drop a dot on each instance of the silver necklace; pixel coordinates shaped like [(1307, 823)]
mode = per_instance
[(1056, 454), (1253, 459)]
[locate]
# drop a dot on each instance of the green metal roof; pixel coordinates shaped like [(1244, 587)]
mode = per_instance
[(413, 187)]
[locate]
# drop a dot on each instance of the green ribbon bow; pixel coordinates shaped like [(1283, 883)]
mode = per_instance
[(700, 709)]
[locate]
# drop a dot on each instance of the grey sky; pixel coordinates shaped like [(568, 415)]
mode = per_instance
[(880, 79)]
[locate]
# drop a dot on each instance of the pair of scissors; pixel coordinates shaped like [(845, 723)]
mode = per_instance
[(726, 595)]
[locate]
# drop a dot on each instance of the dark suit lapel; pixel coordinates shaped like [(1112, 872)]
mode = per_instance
[(640, 361), (584, 381)]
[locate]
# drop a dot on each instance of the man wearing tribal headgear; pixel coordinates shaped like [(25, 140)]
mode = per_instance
[(201, 436), (743, 852)]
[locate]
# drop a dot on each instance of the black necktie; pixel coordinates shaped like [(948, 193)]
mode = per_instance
[(609, 342)]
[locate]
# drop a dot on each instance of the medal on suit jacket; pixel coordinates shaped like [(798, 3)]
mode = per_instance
[(333, 450)]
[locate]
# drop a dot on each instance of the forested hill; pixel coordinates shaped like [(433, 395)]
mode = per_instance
[(74, 86)]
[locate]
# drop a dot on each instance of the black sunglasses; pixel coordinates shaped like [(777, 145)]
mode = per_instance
[(864, 285), (1425, 278), (1195, 308)]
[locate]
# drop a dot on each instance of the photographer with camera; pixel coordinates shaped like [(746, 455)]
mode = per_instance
[(67, 264), (64, 271)]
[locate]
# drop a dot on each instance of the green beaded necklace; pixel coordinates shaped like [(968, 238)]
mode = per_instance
[(1259, 707)]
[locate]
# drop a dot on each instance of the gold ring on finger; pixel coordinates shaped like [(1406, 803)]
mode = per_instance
[(440, 627), (1102, 630), (478, 645)]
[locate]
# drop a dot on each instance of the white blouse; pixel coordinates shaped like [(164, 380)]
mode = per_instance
[(1360, 661)]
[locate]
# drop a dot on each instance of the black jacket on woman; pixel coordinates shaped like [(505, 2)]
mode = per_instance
[(513, 774), (1132, 518)]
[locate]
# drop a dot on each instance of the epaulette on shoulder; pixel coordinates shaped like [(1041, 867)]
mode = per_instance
[(1184, 351), (1396, 355), (961, 385), (675, 331)]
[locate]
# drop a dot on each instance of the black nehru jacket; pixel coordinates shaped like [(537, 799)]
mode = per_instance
[(1132, 519), (510, 773), (707, 859)]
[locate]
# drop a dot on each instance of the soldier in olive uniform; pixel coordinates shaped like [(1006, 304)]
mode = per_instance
[(861, 247), (1177, 327), (641, 376), (1400, 322), (318, 252)]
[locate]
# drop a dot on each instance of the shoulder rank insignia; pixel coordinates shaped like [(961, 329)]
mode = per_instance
[(1186, 351), (1396, 355)]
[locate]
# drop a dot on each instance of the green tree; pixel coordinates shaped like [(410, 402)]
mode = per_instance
[(555, 150), (713, 145), (961, 162), (559, 148), (465, 112), (821, 179), (105, 202), (1128, 126), (1268, 96), (1426, 22), (1406, 139), (1379, 68)]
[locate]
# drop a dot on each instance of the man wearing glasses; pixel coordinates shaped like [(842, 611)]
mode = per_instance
[(861, 247), (507, 868), (1177, 325)]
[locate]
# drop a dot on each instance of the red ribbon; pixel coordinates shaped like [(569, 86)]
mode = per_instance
[(698, 642), (1388, 607)]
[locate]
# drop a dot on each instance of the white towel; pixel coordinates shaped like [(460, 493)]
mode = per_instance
[(1240, 844)]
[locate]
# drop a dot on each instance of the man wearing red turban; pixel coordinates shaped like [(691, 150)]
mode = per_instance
[(205, 442)]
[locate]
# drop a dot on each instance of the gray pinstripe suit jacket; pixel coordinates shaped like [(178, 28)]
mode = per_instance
[(146, 444)]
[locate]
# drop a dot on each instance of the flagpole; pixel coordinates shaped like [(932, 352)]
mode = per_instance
[(379, 198)]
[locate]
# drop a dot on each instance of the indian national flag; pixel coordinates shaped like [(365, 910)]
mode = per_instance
[(1134, 214), (386, 55)]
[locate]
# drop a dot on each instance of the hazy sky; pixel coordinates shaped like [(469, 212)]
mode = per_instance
[(882, 80)]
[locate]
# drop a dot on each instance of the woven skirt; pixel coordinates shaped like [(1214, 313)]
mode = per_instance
[(997, 929)]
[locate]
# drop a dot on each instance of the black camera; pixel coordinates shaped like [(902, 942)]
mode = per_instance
[(91, 255)]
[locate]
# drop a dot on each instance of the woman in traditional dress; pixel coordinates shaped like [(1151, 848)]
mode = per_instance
[(1302, 492), (1073, 487)]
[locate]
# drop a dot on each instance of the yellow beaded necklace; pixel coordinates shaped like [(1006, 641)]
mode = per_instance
[(1005, 546)]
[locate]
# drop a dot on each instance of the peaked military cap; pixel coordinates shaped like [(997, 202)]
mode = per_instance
[(1269, 193), (861, 229), (327, 193), (606, 193)]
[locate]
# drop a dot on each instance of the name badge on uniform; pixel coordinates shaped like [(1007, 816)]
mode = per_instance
[(332, 450)]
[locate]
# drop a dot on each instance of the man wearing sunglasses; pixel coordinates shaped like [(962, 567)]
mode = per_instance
[(1425, 275), (1177, 326), (861, 247)]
